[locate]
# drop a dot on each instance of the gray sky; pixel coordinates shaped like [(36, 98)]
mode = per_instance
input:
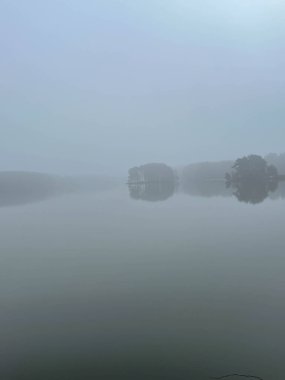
[(98, 86)]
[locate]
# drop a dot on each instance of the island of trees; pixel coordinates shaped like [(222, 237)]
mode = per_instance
[(252, 179), (152, 182)]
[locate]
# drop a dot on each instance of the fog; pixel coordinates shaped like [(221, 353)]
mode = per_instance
[(98, 86), (142, 189)]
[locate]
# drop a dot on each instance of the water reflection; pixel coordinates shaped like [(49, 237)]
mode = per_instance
[(155, 191), (252, 179), (246, 191), (158, 182), (252, 191), (206, 188), (20, 188), (152, 182)]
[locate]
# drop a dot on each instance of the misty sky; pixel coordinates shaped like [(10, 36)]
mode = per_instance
[(98, 86)]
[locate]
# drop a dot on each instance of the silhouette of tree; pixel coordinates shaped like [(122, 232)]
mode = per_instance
[(252, 179), (252, 167), (152, 182), (153, 172)]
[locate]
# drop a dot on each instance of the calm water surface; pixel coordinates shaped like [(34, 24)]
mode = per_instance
[(101, 286)]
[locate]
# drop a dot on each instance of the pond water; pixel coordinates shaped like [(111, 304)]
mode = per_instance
[(103, 286)]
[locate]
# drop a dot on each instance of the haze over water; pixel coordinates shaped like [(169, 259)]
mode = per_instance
[(98, 285), (169, 271)]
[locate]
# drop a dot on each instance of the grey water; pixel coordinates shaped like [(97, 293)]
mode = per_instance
[(98, 285)]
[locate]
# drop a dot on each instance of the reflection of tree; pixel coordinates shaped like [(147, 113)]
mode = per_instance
[(18, 188), (206, 188), (252, 179), (152, 182), (252, 191), (154, 191), (205, 179)]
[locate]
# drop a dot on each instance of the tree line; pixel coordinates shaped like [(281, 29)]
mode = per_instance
[(251, 179)]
